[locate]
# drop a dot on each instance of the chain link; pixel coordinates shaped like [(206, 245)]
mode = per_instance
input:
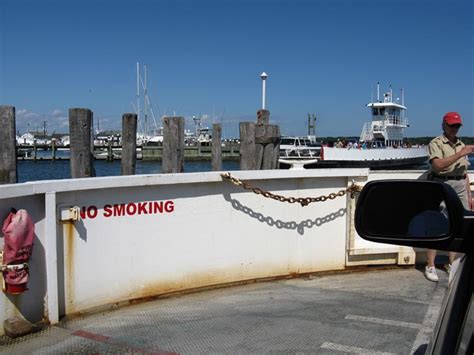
[(304, 201)]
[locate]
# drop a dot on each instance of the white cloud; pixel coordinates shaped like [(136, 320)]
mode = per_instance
[(24, 114), (57, 113), (56, 121)]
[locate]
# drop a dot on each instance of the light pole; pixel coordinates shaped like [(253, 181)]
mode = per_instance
[(264, 77)]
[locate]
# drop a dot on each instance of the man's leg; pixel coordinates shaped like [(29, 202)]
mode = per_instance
[(431, 255), (430, 270)]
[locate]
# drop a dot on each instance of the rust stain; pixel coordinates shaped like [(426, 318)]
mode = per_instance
[(69, 261), (204, 281), (120, 342)]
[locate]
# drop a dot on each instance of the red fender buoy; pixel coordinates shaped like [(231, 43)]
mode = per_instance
[(18, 230)]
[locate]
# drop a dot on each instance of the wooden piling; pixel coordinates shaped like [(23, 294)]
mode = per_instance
[(129, 143), (80, 131), (173, 145), (247, 145), (271, 149), (35, 150), (216, 154), (259, 143), (53, 149), (8, 167), (110, 152)]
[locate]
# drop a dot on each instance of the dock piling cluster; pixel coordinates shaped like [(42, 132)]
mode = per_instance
[(259, 145)]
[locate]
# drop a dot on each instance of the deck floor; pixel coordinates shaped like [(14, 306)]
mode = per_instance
[(389, 311)]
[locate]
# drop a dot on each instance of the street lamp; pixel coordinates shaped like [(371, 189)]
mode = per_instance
[(264, 77)]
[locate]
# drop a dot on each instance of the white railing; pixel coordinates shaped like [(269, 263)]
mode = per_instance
[(390, 120), (366, 134)]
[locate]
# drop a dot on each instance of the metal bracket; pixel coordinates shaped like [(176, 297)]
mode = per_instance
[(69, 214)]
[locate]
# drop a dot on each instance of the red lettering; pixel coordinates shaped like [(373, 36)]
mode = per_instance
[(92, 212), (107, 210), (131, 209), (119, 210), (169, 206), (142, 208), (158, 207)]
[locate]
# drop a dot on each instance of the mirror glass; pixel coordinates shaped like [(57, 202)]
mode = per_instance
[(403, 210), (428, 223)]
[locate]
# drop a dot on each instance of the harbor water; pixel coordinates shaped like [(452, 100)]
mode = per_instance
[(60, 169)]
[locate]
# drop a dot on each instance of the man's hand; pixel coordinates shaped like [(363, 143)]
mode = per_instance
[(466, 150), (440, 164)]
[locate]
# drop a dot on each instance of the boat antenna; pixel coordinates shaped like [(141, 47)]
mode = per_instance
[(391, 93), (378, 91), (403, 98)]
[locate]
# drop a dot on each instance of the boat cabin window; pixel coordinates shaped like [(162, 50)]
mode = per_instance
[(287, 141), (378, 111), (395, 111)]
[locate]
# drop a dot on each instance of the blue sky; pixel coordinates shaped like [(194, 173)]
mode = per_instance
[(204, 58)]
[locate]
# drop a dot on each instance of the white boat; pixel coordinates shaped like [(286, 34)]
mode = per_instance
[(295, 147), (381, 141)]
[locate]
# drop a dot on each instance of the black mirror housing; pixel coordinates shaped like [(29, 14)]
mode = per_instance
[(416, 213)]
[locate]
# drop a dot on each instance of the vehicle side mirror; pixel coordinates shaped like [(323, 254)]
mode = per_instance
[(416, 213)]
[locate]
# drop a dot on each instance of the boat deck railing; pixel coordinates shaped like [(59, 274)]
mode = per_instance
[(108, 241)]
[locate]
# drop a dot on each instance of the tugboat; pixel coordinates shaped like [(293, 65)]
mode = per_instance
[(381, 143)]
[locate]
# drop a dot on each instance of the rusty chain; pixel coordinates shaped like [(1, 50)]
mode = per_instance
[(304, 201)]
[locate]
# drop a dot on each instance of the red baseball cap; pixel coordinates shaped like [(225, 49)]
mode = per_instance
[(452, 118)]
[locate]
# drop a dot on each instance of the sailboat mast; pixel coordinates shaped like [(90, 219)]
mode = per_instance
[(145, 106), (138, 92)]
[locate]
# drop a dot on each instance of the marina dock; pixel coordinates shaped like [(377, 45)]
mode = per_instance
[(230, 152)]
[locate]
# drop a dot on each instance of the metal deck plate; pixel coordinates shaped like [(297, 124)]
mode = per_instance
[(381, 312)]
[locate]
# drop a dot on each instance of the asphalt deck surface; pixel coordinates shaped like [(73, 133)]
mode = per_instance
[(390, 311)]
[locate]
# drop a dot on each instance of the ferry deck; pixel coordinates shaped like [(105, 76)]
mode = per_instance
[(190, 263)]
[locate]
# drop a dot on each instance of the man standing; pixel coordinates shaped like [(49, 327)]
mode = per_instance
[(449, 163)]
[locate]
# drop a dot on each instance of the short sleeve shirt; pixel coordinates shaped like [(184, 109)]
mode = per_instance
[(440, 147)]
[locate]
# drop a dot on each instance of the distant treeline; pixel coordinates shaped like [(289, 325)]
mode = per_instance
[(410, 140)]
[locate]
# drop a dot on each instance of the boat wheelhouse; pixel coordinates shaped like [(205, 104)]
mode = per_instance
[(388, 122)]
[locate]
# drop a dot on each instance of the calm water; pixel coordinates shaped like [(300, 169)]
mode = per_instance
[(60, 169), (49, 170)]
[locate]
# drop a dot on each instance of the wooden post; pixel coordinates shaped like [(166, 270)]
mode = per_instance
[(53, 149), (271, 149), (80, 129), (276, 147), (110, 152), (173, 145), (263, 117), (8, 168), (129, 143), (247, 145), (35, 149), (216, 160), (260, 143)]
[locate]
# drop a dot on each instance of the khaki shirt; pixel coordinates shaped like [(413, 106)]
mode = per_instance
[(441, 147)]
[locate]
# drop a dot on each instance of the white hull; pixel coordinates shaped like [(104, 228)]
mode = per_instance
[(344, 154)]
